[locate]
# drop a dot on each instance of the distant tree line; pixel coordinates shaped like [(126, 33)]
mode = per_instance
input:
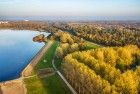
[(106, 34), (26, 25), (111, 36)]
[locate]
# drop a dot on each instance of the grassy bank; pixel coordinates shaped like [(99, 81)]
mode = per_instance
[(47, 85), (47, 57)]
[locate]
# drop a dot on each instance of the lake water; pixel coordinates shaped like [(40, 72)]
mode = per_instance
[(16, 51)]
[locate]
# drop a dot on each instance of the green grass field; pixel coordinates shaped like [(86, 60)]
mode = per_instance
[(48, 85), (90, 45), (47, 57)]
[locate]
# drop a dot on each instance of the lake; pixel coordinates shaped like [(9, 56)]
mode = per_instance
[(16, 51)]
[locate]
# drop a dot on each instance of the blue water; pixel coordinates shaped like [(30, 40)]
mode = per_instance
[(16, 51)]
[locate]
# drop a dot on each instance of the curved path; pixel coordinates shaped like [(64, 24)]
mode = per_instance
[(63, 78)]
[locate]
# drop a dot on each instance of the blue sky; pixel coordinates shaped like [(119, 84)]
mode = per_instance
[(102, 8)]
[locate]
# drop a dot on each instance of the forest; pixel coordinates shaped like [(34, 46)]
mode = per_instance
[(100, 70), (104, 70)]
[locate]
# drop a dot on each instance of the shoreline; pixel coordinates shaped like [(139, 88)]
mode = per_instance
[(20, 75), (18, 83), (28, 69), (31, 58)]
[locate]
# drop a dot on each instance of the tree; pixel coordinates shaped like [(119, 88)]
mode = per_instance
[(59, 52), (99, 54), (110, 56), (125, 56), (127, 83)]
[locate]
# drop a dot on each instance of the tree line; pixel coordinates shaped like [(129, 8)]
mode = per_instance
[(110, 34), (24, 25)]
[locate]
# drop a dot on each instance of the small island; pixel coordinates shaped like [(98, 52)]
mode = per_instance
[(40, 38)]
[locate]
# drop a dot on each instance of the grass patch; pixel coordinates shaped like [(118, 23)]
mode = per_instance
[(48, 85), (34, 86), (90, 45)]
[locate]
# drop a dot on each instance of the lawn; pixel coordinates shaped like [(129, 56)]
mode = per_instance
[(48, 85), (47, 57)]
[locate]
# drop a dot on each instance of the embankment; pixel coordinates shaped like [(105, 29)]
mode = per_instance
[(28, 70)]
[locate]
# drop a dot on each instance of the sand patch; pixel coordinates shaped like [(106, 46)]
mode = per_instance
[(12, 87)]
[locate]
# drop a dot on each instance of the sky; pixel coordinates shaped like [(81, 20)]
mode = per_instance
[(129, 9)]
